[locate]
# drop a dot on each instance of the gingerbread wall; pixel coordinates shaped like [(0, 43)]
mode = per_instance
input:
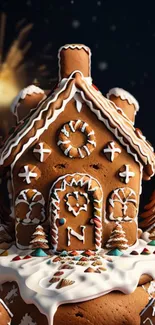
[(96, 165)]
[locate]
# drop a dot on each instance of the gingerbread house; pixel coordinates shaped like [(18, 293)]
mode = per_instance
[(76, 162)]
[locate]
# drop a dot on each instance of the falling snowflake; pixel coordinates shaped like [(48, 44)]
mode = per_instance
[(94, 18), (29, 3), (132, 83), (113, 28), (103, 65), (99, 3), (75, 23), (72, 2)]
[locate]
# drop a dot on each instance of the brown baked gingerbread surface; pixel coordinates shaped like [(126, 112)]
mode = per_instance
[(114, 309)]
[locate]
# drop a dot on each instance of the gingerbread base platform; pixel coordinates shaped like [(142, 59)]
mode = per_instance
[(62, 288)]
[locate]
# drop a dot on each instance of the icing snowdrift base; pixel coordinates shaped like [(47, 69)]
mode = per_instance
[(48, 282)]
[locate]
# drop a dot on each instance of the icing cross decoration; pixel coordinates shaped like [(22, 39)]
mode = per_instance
[(42, 150), (126, 174), (111, 150), (27, 174), (75, 209)]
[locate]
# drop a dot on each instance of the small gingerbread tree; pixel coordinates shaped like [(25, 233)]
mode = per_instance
[(148, 217), (117, 239), (39, 238)]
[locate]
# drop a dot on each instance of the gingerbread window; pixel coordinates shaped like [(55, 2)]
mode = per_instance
[(29, 207), (66, 139), (122, 205)]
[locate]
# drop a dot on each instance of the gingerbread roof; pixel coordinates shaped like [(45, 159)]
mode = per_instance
[(81, 89)]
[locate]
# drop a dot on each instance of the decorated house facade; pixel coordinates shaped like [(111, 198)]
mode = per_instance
[(76, 162)]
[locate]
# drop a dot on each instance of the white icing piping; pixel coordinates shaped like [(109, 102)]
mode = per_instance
[(54, 201), (114, 130), (33, 277), (124, 95), (72, 232), (103, 103), (22, 94), (6, 308), (73, 46), (123, 201), (41, 150)]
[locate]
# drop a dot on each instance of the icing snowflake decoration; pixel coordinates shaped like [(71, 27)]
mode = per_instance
[(111, 150), (77, 207), (126, 174), (122, 205)]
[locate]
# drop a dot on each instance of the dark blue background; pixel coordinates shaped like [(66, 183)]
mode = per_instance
[(121, 35)]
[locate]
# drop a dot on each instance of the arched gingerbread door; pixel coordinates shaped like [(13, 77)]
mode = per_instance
[(75, 210)]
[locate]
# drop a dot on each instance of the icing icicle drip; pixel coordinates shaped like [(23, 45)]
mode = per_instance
[(23, 93), (105, 111), (124, 95), (65, 143), (34, 274), (94, 192), (74, 46)]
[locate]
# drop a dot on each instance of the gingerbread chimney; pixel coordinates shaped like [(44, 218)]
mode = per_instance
[(124, 100), (74, 57)]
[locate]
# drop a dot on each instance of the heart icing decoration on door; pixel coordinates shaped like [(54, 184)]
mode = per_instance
[(76, 202)]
